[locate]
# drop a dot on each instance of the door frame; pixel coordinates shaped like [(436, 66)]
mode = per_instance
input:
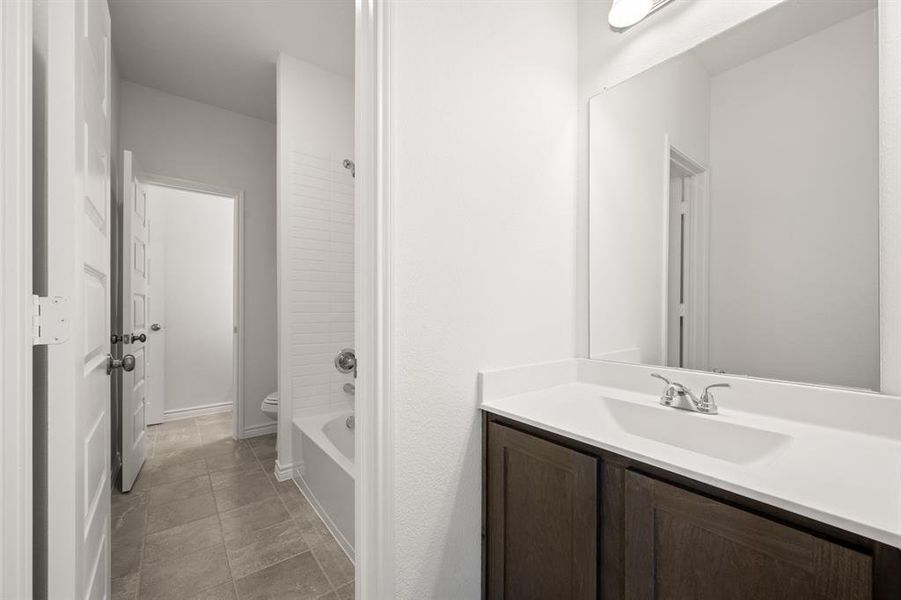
[(238, 279), (16, 375), (374, 303), (698, 293)]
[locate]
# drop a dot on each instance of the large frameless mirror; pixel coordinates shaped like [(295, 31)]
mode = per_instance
[(734, 202)]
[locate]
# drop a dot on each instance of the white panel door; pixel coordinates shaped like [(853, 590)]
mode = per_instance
[(78, 254), (135, 309)]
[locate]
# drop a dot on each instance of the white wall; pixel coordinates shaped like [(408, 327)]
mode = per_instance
[(794, 225), (156, 308), (176, 137), (196, 233), (483, 131), (315, 248), (607, 58), (629, 235)]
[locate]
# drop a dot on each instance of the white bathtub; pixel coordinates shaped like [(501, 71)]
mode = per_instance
[(324, 449)]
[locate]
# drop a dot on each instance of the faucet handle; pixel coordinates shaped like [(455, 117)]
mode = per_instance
[(707, 396), (662, 378)]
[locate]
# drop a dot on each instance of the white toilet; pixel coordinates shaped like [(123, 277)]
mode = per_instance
[(270, 406)]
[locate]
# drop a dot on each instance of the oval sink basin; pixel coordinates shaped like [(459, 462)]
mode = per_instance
[(694, 432)]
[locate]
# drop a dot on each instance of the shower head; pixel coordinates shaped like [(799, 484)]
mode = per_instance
[(349, 165)]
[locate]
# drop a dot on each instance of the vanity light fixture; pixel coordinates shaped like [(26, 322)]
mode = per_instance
[(626, 13)]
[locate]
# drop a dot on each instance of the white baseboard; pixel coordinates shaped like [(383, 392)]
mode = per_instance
[(258, 430), (284, 472), (177, 414), (329, 524)]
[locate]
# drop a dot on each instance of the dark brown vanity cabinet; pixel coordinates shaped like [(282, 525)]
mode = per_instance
[(542, 538), (684, 545), (565, 520)]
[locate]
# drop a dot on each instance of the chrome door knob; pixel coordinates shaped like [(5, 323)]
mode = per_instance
[(126, 363), (156, 327), (346, 361), (138, 338)]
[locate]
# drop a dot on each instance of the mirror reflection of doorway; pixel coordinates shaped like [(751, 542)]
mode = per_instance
[(685, 342)]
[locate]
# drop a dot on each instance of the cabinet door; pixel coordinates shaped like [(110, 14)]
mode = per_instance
[(542, 519), (681, 545)]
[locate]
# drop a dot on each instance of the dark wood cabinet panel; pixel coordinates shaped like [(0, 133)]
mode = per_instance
[(613, 531), (562, 519), (541, 511), (680, 545)]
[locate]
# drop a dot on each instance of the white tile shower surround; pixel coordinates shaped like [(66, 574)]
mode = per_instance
[(321, 271), (206, 519), (842, 467)]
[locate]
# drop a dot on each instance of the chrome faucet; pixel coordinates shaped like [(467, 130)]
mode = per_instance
[(678, 396)]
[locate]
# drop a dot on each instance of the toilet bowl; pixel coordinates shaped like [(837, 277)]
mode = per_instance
[(270, 406)]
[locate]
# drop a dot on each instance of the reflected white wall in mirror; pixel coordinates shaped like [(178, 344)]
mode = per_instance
[(734, 203)]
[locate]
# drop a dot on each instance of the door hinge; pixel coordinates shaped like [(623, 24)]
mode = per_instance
[(49, 320)]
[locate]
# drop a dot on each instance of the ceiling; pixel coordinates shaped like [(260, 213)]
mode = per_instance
[(223, 52), (781, 25)]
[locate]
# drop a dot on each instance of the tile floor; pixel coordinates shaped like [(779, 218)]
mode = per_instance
[(206, 519)]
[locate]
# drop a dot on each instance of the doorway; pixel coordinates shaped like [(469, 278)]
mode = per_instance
[(178, 314), (192, 312), (686, 274)]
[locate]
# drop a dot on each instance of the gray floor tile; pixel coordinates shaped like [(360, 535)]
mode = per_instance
[(241, 457), (171, 542), (334, 562), (169, 473), (178, 457), (169, 443), (125, 588), (239, 523), (224, 478), (298, 578), (263, 446), (180, 512), (121, 503), (346, 592), (242, 489), (215, 432), (313, 529), (268, 464), (223, 591), (180, 490), (222, 417), (169, 448), (127, 540), (142, 481), (222, 446), (180, 426), (264, 548), (184, 576), (282, 487), (182, 540), (294, 500)]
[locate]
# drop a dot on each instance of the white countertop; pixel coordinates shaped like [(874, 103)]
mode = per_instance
[(848, 478)]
